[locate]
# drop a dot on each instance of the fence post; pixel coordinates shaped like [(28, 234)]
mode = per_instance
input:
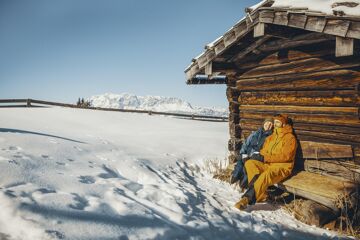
[(28, 102)]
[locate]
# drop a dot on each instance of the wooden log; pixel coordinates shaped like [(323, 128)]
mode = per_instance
[(290, 109), (344, 47), (315, 150), (313, 213), (302, 66), (233, 156), (234, 118), (252, 124), (232, 94), (324, 80), (302, 40), (302, 52), (340, 137), (344, 170), (234, 130), (302, 98), (234, 144), (310, 119), (234, 107), (327, 191), (250, 48)]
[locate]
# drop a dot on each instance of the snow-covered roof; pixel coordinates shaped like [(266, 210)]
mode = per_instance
[(348, 10)]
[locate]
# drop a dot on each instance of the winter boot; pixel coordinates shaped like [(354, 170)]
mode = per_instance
[(242, 204)]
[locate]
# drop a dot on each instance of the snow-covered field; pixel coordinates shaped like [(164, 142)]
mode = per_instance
[(83, 174)]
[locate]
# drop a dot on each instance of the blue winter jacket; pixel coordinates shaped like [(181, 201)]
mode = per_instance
[(252, 144)]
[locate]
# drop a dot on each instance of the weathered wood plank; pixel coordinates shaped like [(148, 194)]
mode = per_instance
[(240, 29), (229, 38), (326, 187), (245, 133), (337, 27), (297, 20), (339, 137), (281, 18), (354, 30), (208, 69), (302, 98), (302, 66), (259, 30), (288, 109), (307, 118), (325, 49), (219, 47), (306, 39), (250, 48), (316, 24), (345, 170), (327, 80), (315, 150), (344, 47), (266, 16), (253, 124)]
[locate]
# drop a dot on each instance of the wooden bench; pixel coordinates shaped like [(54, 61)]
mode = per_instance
[(330, 182)]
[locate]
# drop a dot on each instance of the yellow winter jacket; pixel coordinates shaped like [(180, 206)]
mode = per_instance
[(280, 146)]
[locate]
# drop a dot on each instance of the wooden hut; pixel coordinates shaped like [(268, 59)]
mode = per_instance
[(302, 63)]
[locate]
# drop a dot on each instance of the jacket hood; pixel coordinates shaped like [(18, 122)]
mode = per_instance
[(284, 130)]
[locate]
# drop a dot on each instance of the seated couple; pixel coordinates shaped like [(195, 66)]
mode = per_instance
[(266, 158)]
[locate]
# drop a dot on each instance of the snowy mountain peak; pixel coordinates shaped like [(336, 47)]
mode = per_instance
[(152, 103)]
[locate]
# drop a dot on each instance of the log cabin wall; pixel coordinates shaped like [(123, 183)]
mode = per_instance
[(317, 90)]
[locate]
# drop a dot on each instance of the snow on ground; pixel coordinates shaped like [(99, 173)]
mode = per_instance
[(84, 174)]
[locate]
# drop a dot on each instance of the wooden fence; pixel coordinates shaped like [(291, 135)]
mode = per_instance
[(29, 103)]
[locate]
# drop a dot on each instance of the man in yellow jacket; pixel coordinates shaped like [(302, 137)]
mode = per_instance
[(274, 163)]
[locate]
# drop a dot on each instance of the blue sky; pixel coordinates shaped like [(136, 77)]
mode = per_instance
[(64, 49)]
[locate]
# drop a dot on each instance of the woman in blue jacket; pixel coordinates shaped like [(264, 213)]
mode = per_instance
[(251, 149)]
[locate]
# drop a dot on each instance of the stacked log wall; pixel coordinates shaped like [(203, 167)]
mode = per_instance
[(318, 91)]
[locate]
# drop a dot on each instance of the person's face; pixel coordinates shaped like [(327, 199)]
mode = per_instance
[(277, 124), (268, 126)]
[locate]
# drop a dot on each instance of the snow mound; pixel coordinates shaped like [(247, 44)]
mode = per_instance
[(152, 103)]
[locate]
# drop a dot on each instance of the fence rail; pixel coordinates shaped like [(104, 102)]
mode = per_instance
[(29, 103)]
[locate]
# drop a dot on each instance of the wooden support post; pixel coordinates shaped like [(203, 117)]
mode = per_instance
[(208, 69), (344, 47), (259, 30), (28, 102)]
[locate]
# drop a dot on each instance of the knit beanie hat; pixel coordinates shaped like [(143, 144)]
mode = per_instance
[(268, 120)]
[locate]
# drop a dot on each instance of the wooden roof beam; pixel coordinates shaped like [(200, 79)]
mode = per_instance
[(305, 39)]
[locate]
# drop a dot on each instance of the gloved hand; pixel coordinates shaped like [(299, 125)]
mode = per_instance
[(244, 157), (257, 156)]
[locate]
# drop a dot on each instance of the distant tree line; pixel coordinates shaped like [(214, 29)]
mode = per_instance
[(82, 103)]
